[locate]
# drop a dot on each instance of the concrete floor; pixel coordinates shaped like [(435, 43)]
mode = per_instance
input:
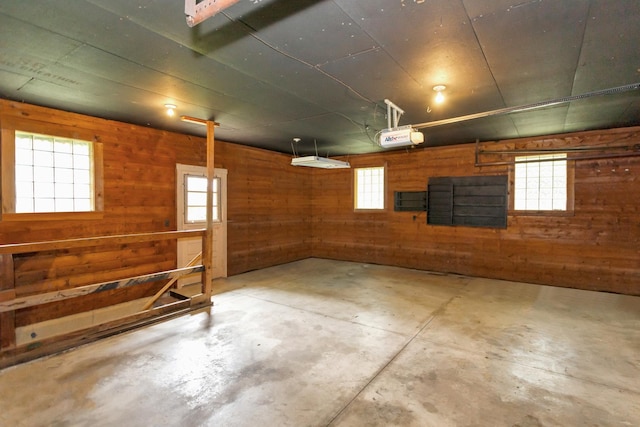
[(318, 342)]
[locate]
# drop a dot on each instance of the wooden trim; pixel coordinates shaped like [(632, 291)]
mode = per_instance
[(19, 248), (385, 192), (72, 131), (569, 211), (207, 243), (32, 300), (7, 293), (98, 175), (7, 158), (7, 155), (51, 216)]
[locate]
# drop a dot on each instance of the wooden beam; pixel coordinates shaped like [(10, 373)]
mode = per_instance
[(207, 241), (32, 300), (7, 292), (158, 294), (19, 248)]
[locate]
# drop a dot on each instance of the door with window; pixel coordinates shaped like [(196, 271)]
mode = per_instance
[(192, 215)]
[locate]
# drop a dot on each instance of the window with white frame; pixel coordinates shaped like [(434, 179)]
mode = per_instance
[(53, 174), (369, 188), (541, 183), (196, 197)]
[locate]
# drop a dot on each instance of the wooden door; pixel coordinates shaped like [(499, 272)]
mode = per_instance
[(191, 205)]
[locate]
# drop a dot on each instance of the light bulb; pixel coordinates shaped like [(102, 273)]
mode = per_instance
[(439, 95), (171, 109)]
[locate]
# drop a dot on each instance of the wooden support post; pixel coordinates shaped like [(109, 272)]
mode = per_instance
[(207, 243), (7, 292)]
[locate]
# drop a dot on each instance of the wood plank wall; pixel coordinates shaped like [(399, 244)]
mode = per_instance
[(268, 211), (269, 208), (597, 247), (278, 213)]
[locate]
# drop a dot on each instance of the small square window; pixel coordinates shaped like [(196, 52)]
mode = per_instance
[(541, 183)]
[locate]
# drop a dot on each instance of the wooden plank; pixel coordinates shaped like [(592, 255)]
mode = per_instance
[(33, 300), (158, 294), (7, 293), (20, 248), (207, 242)]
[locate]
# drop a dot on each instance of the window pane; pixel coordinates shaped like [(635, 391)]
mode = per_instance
[(42, 174), (44, 205), (197, 214), (82, 148), (196, 199), (83, 205), (82, 191), (82, 176), (24, 205), (24, 173), (64, 205), (43, 190), (63, 146), (42, 143), (63, 160), (369, 188), (63, 190), (81, 162), (53, 174), (196, 183), (24, 189), (24, 141), (540, 182), (43, 158), (24, 157), (64, 175)]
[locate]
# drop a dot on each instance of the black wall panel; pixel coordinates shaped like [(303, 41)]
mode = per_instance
[(477, 201)]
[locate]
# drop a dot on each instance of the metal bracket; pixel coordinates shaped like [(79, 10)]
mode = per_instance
[(393, 109)]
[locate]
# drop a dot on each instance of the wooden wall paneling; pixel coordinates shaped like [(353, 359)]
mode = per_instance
[(269, 209), (7, 293), (593, 247), (278, 213)]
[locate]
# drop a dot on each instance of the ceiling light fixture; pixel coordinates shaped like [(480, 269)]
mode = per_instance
[(171, 109), (319, 162), (316, 161), (439, 95)]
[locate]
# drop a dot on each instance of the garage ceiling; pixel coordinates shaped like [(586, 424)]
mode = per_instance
[(273, 70)]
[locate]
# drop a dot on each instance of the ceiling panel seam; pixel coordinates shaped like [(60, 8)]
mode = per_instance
[(203, 53), (486, 61), (578, 60)]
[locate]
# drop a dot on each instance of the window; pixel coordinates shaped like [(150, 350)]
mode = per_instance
[(369, 188), (50, 177), (541, 183), (52, 174), (196, 196)]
